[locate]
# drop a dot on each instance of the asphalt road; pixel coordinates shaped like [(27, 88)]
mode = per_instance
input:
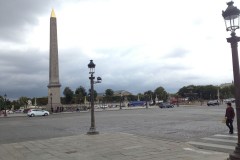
[(176, 124)]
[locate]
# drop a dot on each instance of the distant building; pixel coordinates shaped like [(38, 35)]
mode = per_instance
[(225, 85), (115, 93), (121, 92)]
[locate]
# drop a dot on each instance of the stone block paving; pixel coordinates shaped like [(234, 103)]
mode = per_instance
[(105, 146)]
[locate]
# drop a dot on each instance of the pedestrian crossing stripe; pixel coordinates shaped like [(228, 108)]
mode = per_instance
[(211, 145), (222, 135), (218, 142), (201, 151)]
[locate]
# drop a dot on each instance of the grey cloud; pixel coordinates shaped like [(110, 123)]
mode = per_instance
[(73, 68), (139, 78), (120, 70), (23, 72), (121, 52), (16, 17), (117, 75), (177, 53), (24, 62)]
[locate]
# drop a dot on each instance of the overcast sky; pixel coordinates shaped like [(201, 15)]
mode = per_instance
[(137, 45)]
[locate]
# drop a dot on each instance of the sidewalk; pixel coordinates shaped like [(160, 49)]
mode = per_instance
[(105, 146)]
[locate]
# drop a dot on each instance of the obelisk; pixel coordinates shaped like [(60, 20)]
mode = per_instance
[(54, 102)]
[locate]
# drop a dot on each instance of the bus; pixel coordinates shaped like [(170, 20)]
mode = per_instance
[(136, 103)]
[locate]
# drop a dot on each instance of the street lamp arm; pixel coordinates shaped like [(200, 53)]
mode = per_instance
[(99, 80)]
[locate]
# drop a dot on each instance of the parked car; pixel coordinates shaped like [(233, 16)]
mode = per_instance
[(97, 106), (231, 100), (26, 110), (37, 112), (19, 111), (165, 105), (9, 111), (212, 103), (104, 106)]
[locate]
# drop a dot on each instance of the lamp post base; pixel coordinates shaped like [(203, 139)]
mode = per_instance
[(235, 155), (92, 131), (51, 110)]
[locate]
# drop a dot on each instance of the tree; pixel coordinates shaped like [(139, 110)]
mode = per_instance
[(147, 95), (161, 93), (109, 94), (140, 96), (80, 93), (199, 92), (68, 93), (23, 101), (16, 104), (1, 103), (227, 92), (42, 101)]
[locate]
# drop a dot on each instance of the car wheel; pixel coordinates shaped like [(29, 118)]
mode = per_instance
[(32, 115), (45, 114)]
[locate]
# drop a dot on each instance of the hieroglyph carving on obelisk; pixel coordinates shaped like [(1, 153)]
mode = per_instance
[(54, 84)]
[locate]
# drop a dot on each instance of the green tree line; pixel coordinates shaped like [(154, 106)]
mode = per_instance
[(193, 92)]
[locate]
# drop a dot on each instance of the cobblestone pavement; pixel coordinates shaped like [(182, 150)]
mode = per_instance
[(179, 124), (118, 146), (124, 134)]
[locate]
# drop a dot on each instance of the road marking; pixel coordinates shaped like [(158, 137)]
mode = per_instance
[(220, 140), (201, 151), (221, 135), (211, 145), (132, 147)]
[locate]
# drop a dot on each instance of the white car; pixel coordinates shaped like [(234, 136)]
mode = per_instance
[(37, 112), (9, 111), (104, 106)]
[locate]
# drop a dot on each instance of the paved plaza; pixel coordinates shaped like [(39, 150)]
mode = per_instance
[(117, 146), (136, 134)]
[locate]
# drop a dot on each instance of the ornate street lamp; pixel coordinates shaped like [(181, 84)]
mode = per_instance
[(231, 17), (91, 67), (5, 100)]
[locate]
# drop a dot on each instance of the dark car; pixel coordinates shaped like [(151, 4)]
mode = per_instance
[(165, 105), (213, 103)]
